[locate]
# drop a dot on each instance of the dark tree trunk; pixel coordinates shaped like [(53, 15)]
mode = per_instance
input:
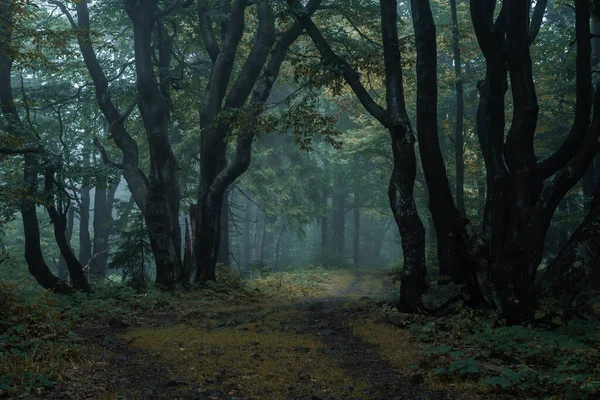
[(63, 271), (324, 222), (33, 251), (458, 128), (188, 261), (59, 222), (356, 233), (103, 207), (276, 266), (441, 203), (519, 207), (215, 175), (156, 195), (578, 261), (589, 185), (162, 204), (85, 241), (31, 230)]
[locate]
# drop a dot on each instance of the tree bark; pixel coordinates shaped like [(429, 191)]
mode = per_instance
[(458, 127), (339, 214), (246, 235), (577, 262), (85, 241), (162, 207), (63, 272), (223, 257), (59, 222), (103, 207)]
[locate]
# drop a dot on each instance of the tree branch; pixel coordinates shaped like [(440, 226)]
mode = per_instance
[(350, 75), (536, 20), (208, 33)]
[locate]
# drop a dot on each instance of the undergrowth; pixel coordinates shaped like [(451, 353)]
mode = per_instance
[(36, 341), (523, 361)]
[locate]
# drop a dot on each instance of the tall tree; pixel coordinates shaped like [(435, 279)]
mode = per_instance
[(395, 119), (85, 240), (460, 106), (157, 194), (215, 174)]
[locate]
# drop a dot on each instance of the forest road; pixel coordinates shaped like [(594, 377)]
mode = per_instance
[(295, 350)]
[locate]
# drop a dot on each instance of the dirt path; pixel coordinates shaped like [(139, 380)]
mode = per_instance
[(307, 346)]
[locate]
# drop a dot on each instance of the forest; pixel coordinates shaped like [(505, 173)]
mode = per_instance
[(300, 199)]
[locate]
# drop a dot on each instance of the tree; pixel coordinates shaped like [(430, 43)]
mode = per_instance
[(157, 194), (13, 124), (250, 87), (395, 119)]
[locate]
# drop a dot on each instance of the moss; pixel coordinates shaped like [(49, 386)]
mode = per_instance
[(394, 344), (245, 361)]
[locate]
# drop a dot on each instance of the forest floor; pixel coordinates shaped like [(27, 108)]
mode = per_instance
[(301, 346), (305, 334)]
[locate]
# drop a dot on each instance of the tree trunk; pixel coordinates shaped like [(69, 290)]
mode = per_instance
[(458, 128), (215, 175), (395, 119), (156, 195), (264, 241), (63, 271), (356, 233), (33, 251), (58, 218), (163, 196), (324, 222), (413, 282), (85, 241), (577, 262), (103, 206)]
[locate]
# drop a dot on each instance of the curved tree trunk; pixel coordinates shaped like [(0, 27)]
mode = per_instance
[(63, 271), (31, 230), (156, 195), (59, 222), (215, 175)]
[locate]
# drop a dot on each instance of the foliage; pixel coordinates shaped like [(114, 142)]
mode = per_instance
[(36, 342), (517, 360)]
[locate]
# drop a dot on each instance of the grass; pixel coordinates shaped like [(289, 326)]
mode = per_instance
[(261, 359)]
